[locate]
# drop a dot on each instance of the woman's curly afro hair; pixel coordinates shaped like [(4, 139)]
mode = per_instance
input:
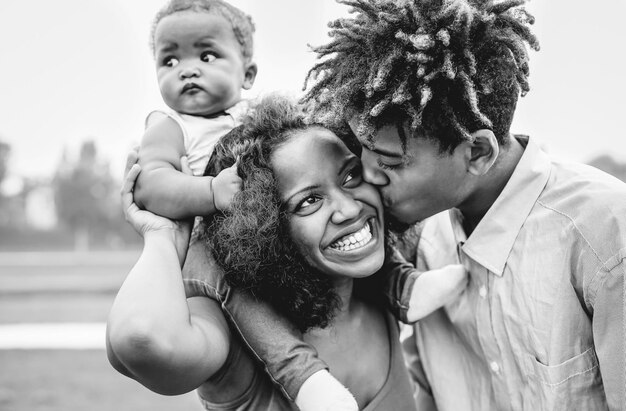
[(251, 241)]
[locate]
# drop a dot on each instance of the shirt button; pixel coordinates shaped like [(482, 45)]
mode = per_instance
[(482, 291), (494, 367)]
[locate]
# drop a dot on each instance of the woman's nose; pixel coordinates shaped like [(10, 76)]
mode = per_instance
[(346, 208)]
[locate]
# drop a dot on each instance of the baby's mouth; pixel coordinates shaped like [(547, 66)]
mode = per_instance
[(355, 240), (190, 86)]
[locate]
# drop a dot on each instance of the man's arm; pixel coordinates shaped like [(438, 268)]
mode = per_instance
[(609, 336), (162, 188)]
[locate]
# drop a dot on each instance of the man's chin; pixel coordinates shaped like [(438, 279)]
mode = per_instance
[(394, 226)]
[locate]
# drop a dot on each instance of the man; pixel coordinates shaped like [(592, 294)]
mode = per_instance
[(430, 88)]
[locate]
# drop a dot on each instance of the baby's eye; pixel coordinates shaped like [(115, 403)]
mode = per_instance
[(208, 57), (170, 61)]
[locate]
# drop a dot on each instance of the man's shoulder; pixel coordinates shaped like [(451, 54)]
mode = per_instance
[(590, 203), (580, 189)]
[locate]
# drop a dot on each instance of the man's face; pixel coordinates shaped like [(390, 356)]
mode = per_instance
[(415, 184)]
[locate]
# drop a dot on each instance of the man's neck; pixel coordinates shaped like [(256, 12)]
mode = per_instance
[(491, 185)]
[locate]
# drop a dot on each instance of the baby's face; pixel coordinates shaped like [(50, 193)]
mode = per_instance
[(200, 66)]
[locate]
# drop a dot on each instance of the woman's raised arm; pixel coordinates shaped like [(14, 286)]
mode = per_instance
[(156, 335)]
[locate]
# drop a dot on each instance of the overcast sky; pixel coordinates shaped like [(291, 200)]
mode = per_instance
[(77, 69)]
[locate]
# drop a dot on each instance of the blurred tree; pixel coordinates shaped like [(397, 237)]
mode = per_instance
[(86, 196), (609, 165), (5, 149)]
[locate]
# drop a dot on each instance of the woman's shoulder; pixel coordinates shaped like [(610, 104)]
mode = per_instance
[(241, 385), (202, 276)]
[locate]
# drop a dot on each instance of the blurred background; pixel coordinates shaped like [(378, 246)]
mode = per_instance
[(76, 82)]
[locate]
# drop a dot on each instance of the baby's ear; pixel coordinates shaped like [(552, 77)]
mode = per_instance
[(249, 75)]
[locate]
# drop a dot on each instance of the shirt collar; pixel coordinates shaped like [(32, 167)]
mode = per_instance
[(492, 240)]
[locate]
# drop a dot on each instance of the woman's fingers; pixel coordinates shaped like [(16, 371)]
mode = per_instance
[(127, 188), (129, 180), (131, 158)]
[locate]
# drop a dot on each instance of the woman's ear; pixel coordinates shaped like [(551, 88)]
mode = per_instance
[(483, 152)]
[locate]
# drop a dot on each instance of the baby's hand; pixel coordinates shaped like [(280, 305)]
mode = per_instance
[(433, 289), (322, 392), (225, 185)]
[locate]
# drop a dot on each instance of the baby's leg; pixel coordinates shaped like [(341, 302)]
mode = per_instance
[(291, 363)]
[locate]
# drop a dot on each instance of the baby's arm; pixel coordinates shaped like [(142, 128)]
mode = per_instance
[(413, 294), (292, 364), (163, 189)]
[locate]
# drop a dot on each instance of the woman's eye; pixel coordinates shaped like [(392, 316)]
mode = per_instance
[(170, 61), (354, 176), (208, 57), (307, 202)]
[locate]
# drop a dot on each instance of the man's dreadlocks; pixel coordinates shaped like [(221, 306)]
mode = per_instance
[(443, 67)]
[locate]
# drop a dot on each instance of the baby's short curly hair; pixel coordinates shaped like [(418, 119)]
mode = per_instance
[(242, 24), (445, 68), (251, 242)]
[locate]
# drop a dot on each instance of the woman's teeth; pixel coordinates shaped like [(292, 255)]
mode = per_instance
[(354, 240)]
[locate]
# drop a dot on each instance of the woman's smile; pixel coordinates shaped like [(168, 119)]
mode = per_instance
[(357, 241)]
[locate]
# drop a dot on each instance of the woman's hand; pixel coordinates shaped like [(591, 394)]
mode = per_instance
[(145, 222)]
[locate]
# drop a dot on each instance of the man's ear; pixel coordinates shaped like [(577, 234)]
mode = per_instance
[(249, 75), (483, 152)]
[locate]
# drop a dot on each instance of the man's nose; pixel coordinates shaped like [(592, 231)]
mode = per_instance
[(372, 173)]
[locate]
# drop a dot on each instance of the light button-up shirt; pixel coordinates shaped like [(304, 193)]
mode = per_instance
[(541, 323)]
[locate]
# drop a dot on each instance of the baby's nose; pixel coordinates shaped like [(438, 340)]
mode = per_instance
[(189, 71)]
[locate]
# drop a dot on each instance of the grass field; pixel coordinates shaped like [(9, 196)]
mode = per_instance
[(59, 288)]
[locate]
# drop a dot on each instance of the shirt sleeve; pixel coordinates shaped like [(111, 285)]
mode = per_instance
[(202, 276), (609, 333)]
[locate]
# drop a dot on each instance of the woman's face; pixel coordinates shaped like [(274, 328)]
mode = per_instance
[(335, 218)]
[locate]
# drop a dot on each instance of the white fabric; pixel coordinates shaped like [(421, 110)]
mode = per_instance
[(201, 133)]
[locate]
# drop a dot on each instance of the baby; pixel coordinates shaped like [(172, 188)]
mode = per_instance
[(203, 55)]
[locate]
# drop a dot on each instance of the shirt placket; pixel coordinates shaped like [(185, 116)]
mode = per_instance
[(482, 286)]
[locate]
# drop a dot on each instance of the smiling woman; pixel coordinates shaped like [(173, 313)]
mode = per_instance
[(305, 234), (304, 220)]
